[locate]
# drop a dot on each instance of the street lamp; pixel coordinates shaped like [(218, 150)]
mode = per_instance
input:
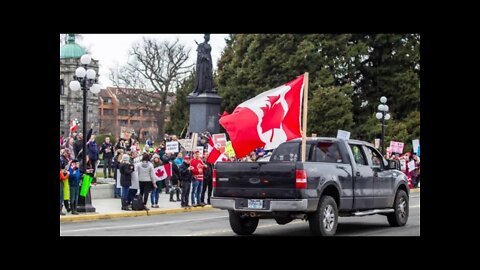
[(383, 115), (84, 79)]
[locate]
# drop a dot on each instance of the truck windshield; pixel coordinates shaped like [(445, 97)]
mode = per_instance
[(286, 152)]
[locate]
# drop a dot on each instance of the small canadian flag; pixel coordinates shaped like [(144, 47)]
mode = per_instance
[(74, 125), (214, 154)]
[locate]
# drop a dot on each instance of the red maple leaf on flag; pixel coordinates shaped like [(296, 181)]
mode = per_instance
[(159, 173), (272, 115)]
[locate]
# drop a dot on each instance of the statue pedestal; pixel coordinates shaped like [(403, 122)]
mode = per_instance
[(204, 110)]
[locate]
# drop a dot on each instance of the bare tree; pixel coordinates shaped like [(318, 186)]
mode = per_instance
[(154, 70)]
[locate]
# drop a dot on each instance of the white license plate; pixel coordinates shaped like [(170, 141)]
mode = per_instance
[(255, 204)]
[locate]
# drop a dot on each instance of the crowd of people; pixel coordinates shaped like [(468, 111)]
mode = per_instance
[(406, 159), (133, 169)]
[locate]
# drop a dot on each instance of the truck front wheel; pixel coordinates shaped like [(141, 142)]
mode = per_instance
[(242, 225), (400, 205), (324, 221)]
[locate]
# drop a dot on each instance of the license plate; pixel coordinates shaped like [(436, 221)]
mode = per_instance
[(255, 204)]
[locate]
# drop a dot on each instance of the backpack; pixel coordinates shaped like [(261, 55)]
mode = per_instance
[(137, 203)]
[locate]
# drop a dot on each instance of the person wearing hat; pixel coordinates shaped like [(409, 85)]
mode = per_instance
[(126, 170), (186, 178), (197, 183)]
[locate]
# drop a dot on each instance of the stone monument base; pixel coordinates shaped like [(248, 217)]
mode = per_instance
[(204, 110)]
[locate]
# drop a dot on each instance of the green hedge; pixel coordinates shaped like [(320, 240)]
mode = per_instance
[(100, 138)]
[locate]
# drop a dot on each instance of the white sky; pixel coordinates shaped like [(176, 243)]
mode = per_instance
[(110, 49)]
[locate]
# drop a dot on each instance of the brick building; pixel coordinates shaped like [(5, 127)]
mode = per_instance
[(119, 114)]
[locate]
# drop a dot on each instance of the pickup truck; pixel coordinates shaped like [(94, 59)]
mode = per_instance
[(339, 178)]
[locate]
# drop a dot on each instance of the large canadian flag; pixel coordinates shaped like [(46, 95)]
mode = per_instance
[(267, 120), (214, 154)]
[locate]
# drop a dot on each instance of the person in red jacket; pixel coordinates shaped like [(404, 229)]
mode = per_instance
[(197, 183)]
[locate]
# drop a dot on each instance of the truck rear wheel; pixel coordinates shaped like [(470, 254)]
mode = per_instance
[(324, 221), (242, 225), (400, 205)]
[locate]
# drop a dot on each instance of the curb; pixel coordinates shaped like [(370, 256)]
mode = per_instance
[(90, 217), (414, 190)]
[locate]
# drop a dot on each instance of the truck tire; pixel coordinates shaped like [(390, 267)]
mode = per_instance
[(324, 221), (400, 205), (242, 225)]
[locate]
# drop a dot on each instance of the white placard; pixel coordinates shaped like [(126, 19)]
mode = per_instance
[(342, 134), (416, 144), (186, 144), (411, 165), (377, 143), (171, 147)]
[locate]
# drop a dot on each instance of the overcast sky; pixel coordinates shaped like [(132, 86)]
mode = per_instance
[(110, 49)]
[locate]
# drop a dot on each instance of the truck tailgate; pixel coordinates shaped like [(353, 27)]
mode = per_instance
[(256, 180)]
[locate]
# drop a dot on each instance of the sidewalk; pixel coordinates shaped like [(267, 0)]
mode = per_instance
[(111, 208)]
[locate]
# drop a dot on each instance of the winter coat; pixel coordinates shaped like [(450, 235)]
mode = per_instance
[(175, 174), (145, 172), (126, 170), (197, 168), (107, 150), (92, 150), (185, 174), (74, 178), (207, 173)]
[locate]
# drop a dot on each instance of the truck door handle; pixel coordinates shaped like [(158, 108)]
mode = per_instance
[(357, 174)]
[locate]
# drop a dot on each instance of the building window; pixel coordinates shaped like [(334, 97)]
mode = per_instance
[(62, 112), (62, 87), (134, 122), (107, 112), (123, 122), (122, 112)]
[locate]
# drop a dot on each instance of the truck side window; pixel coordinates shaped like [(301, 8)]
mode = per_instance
[(374, 157), (328, 152), (358, 154), (286, 152)]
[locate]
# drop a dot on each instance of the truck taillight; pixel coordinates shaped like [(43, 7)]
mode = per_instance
[(300, 179), (214, 178)]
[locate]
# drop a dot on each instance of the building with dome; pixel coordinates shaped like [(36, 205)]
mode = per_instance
[(71, 102)]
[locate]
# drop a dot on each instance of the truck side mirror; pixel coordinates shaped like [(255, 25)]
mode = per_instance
[(393, 164)]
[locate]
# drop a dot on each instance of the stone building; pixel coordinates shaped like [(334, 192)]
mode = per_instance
[(71, 102)]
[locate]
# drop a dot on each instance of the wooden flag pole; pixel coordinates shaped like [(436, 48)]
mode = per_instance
[(304, 122)]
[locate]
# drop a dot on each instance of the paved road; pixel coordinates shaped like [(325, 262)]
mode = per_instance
[(215, 223)]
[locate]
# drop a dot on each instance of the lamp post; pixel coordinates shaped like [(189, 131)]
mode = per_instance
[(383, 115), (84, 79)]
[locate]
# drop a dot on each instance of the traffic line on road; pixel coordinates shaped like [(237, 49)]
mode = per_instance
[(139, 225)]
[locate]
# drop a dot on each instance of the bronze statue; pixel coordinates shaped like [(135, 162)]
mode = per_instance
[(204, 70)]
